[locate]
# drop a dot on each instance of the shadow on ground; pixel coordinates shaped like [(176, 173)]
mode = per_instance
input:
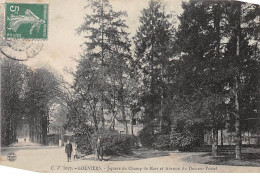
[(248, 159), (137, 154), (26, 146)]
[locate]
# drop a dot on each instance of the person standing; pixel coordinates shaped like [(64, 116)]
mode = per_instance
[(68, 150), (100, 150), (76, 153)]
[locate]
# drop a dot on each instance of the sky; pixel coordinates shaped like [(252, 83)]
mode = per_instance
[(65, 16)]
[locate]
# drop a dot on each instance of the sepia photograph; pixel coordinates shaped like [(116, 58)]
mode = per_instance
[(130, 86)]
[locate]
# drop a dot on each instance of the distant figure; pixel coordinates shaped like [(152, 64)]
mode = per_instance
[(68, 150), (100, 150), (24, 139), (76, 153)]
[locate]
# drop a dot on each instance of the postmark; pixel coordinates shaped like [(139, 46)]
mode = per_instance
[(26, 21), (21, 50)]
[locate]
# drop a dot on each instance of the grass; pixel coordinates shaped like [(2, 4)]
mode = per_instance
[(250, 158)]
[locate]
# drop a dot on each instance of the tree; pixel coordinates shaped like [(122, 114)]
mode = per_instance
[(213, 72), (97, 43), (241, 59), (12, 93), (153, 50), (42, 89), (103, 68), (26, 98), (202, 78)]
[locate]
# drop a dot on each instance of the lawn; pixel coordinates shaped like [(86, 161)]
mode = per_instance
[(250, 157)]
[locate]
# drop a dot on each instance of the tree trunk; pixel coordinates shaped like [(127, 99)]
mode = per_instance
[(124, 117), (237, 88), (132, 126), (238, 139), (221, 137), (161, 113), (161, 103), (126, 127), (122, 101), (102, 63), (248, 137), (95, 121), (215, 142), (112, 124)]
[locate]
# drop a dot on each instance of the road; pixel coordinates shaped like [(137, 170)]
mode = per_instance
[(35, 157)]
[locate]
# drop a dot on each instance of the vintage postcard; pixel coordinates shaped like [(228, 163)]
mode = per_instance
[(130, 86)]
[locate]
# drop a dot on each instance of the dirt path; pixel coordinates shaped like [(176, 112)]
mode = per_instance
[(40, 158)]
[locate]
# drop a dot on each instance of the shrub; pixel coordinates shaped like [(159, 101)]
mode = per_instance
[(112, 142), (117, 144), (146, 137), (162, 142), (83, 144), (83, 138), (184, 141)]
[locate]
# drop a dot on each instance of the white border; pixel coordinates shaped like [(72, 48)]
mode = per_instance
[(18, 172), (252, 1)]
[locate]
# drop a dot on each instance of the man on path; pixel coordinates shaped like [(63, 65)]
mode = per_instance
[(68, 150), (99, 150)]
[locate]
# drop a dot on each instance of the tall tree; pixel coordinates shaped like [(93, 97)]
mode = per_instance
[(12, 89), (41, 90), (152, 50), (103, 68), (199, 38), (211, 38), (241, 59)]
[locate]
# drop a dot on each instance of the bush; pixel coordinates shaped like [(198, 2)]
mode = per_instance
[(112, 142), (155, 141), (162, 142), (146, 137), (81, 138), (117, 144), (184, 141), (83, 144)]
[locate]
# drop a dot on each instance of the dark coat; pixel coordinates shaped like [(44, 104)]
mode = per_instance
[(68, 148)]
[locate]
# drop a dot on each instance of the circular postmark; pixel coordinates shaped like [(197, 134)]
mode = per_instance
[(21, 49), (11, 157)]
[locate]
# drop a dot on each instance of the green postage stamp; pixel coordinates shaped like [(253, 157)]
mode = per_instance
[(26, 21)]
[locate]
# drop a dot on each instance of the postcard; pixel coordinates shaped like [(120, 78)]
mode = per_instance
[(130, 86)]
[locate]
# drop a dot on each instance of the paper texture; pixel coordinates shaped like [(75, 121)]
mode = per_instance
[(171, 87)]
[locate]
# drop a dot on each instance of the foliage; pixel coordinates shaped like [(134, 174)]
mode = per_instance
[(41, 92), (162, 142), (191, 135), (214, 64), (12, 94), (146, 137), (118, 144), (84, 141), (153, 49), (27, 96), (112, 142), (103, 72)]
